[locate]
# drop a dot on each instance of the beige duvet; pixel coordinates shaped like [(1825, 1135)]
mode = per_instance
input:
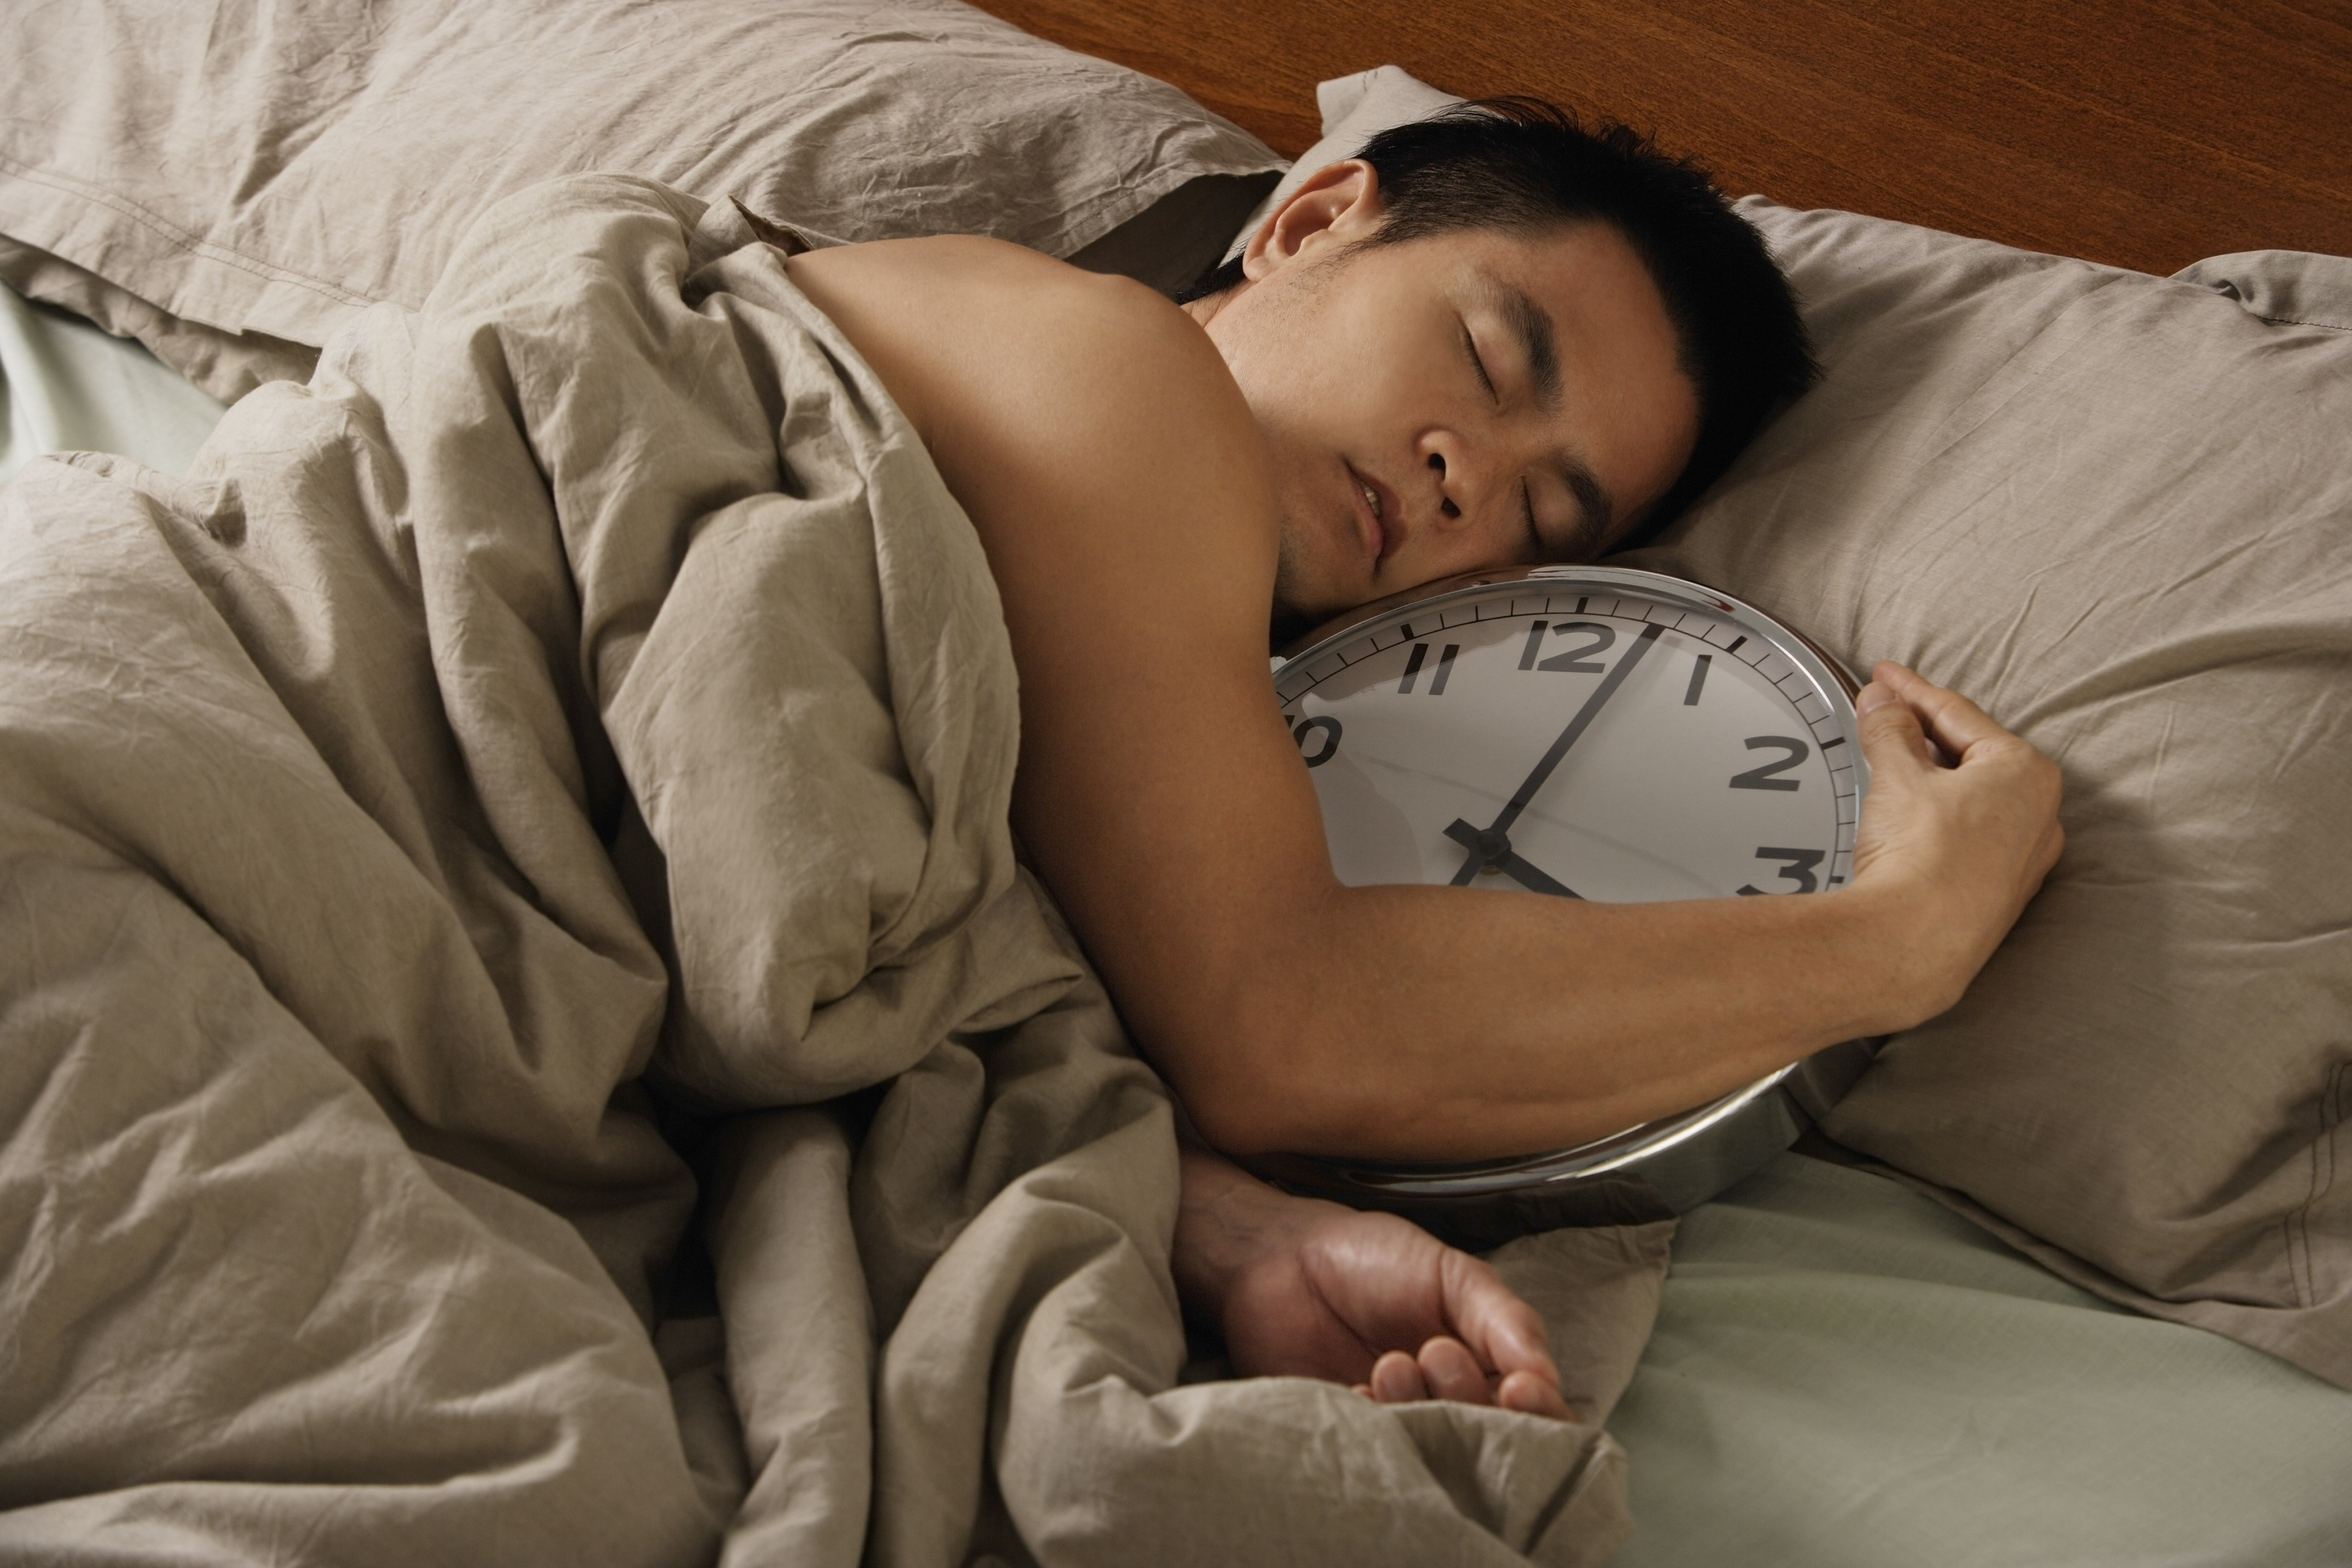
[(587, 680)]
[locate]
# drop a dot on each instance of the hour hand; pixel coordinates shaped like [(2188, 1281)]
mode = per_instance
[(1494, 849)]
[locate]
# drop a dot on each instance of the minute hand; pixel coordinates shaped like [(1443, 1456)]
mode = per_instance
[(1494, 842)]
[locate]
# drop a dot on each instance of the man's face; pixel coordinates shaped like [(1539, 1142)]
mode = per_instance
[(1466, 400)]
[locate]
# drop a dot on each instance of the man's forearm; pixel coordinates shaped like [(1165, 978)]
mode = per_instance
[(1433, 1022), (1537, 1024)]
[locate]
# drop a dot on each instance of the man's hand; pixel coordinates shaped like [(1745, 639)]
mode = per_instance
[(1961, 825), (1309, 1288)]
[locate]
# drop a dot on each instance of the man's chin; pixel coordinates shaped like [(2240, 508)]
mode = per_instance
[(1295, 611), (1305, 599)]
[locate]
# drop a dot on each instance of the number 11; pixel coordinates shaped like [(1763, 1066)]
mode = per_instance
[(1412, 668)]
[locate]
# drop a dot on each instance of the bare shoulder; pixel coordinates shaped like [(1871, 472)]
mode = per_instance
[(1088, 426), (980, 339)]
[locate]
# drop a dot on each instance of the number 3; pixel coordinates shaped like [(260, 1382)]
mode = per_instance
[(1799, 869)]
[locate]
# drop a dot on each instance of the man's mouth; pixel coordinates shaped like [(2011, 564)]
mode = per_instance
[(1374, 525)]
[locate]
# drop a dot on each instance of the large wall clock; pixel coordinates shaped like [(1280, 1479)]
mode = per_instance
[(1585, 733)]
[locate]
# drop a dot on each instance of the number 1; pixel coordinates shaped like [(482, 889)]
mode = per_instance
[(1697, 680)]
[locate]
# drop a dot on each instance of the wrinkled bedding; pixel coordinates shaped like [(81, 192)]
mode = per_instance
[(523, 1039)]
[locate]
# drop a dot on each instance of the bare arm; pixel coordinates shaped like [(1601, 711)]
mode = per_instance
[(1120, 490)]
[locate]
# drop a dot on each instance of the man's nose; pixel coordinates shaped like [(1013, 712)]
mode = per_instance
[(1462, 479)]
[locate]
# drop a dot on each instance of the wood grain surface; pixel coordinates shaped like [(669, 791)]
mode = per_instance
[(2145, 133)]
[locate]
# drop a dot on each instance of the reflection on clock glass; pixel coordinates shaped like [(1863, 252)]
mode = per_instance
[(1596, 744)]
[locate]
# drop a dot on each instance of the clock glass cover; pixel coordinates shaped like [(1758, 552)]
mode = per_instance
[(1605, 734)]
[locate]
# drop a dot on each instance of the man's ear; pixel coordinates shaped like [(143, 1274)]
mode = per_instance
[(1337, 204)]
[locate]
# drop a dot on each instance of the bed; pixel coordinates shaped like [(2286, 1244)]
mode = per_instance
[(2066, 1280)]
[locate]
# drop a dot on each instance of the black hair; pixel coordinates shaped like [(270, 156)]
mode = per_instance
[(1522, 164)]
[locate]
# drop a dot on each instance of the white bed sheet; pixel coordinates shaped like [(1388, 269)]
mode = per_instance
[(1845, 1375), (67, 386)]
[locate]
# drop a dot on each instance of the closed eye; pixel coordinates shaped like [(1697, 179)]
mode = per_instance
[(1527, 496), (1470, 348)]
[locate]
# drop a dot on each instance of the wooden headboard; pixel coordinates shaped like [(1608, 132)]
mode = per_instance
[(2145, 133)]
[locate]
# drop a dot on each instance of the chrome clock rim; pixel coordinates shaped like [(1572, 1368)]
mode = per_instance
[(1659, 1168)]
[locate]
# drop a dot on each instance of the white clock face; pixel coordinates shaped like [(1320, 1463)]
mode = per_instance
[(1609, 735)]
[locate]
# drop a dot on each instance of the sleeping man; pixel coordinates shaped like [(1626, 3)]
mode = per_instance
[(601, 684), (1492, 339)]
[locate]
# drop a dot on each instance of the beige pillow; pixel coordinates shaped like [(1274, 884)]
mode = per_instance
[(254, 173), (1355, 108), (2115, 509)]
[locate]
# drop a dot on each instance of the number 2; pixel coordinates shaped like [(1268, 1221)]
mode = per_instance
[(1762, 778)]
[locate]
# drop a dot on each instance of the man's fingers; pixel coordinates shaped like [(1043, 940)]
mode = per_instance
[(1452, 1372), (1951, 719), (1969, 734), (1447, 1370), (1532, 1395), (1500, 1329), (1387, 1282), (1892, 734), (1396, 1379)]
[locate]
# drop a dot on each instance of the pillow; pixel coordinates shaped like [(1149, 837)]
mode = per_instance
[(1355, 108), (2116, 510), (264, 173)]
